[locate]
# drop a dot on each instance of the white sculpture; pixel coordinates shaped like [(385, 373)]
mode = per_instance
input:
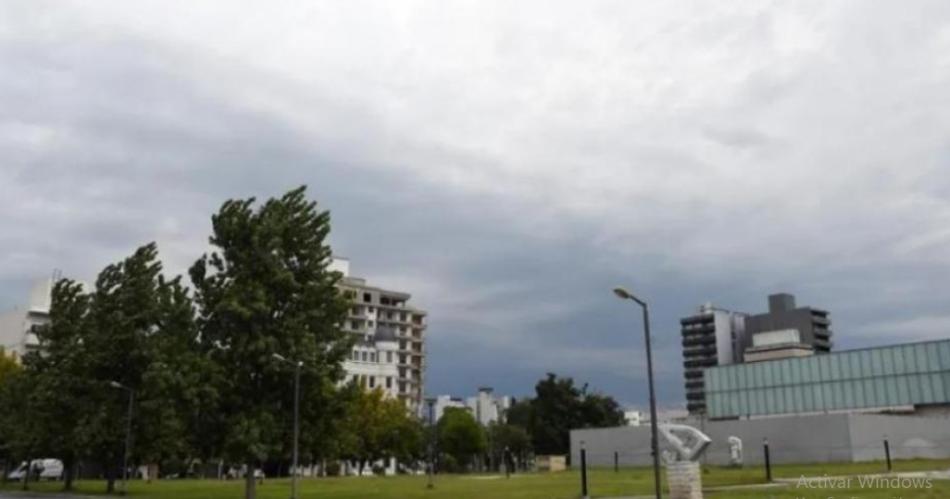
[(682, 469), (735, 451), (688, 442)]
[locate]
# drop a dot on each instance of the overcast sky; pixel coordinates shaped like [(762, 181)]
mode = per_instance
[(505, 162)]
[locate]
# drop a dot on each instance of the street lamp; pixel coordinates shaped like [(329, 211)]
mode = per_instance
[(431, 403), (626, 295), (293, 473), (128, 435)]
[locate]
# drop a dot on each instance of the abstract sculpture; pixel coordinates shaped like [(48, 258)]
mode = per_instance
[(682, 468), (735, 451)]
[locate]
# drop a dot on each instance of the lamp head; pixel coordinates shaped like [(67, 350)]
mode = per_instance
[(622, 293)]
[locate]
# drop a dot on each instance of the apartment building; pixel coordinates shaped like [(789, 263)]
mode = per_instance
[(17, 325), (390, 349), (711, 337)]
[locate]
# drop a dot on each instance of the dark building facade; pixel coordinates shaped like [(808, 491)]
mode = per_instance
[(812, 324)]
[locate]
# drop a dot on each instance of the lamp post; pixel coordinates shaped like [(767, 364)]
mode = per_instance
[(293, 470), (128, 436), (430, 402), (654, 443)]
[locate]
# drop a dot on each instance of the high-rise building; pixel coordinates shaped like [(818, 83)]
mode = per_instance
[(711, 337), (807, 327), (390, 348), (17, 326), (716, 337)]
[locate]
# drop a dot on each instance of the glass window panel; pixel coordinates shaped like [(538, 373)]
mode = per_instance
[(799, 398), (903, 390), (808, 369), (818, 390), (920, 355), (849, 387), (783, 373), (945, 354), (936, 380), (913, 383), (855, 359), (769, 373), (926, 390), (946, 387), (860, 399), (844, 366), (900, 367), (794, 373), (828, 395), (888, 357), (891, 386), (933, 356), (769, 402), (876, 367)]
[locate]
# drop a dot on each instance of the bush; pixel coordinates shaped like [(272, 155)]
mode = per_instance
[(332, 468)]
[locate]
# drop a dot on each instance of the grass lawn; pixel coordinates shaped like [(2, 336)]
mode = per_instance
[(603, 483)]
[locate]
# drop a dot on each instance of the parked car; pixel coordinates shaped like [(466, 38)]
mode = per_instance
[(41, 469)]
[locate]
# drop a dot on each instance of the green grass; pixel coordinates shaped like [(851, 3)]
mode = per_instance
[(603, 483)]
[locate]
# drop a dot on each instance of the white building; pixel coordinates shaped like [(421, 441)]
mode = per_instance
[(389, 353), (17, 325), (484, 407)]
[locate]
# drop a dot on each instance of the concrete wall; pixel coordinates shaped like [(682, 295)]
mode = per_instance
[(794, 439)]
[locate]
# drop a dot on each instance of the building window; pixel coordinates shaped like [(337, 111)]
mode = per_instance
[(372, 357), (389, 357), (389, 382), (372, 381), (367, 298), (364, 356)]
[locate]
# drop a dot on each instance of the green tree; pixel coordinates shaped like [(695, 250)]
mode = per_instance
[(460, 436), (267, 289), (56, 373), (11, 399), (379, 428), (558, 407), (514, 439)]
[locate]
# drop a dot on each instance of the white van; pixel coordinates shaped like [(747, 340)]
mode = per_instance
[(48, 469)]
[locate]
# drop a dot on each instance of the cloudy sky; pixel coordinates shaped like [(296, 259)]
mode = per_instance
[(506, 162)]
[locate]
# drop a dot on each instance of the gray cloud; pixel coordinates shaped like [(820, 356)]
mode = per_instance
[(506, 163)]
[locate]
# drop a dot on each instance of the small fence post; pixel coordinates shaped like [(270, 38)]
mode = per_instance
[(616, 462), (887, 453), (768, 461), (584, 472)]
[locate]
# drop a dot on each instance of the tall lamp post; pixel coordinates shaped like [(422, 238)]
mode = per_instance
[(430, 402), (626, 295), (128, 435), (293, 470)]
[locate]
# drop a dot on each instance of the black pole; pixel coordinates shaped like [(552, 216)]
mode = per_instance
[(654, 439), (584, 473), (768, 462), (128, 445), (616, 462), (887, 454)]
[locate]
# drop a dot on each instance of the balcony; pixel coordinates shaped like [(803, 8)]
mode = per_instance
[(698, 340), (699, 363)]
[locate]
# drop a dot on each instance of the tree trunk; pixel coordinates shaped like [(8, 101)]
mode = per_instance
[(250, 485), (69, 471), (110, 479)]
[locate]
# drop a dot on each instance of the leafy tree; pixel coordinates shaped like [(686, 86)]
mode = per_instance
[(460, 436), (557, 408), (380, 428), (514, 439), (57, 378), (267, 289), (11, 399)]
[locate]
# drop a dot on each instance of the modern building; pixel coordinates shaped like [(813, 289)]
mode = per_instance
[(718, 337), (390, 348), (812, 324), (711, 337), (907, 378), (17, 326), (642, 418), (485, 407)]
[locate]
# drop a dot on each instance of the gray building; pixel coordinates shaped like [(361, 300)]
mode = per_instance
[(812, 324), (717, 337), (711, 337)]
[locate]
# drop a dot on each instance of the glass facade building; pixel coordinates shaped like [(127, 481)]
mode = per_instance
[(893, 376)]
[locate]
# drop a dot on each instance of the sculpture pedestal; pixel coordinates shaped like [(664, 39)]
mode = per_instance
[(685, 480)]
